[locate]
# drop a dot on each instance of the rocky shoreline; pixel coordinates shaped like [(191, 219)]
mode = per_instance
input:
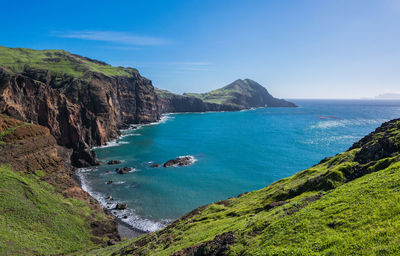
[(125, 230)]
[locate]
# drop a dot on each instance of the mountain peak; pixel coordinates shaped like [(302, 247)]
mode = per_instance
[(243, 93)]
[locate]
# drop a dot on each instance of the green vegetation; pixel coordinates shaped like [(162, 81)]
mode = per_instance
[(59, 62), (36, 220), (164, 93), (226, 94), (338, 207)]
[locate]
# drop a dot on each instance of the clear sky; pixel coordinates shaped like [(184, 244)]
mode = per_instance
[(295, 48)]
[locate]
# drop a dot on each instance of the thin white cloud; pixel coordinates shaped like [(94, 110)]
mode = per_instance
[(114, 37), (186, 63), (120, 48), (169, 65)]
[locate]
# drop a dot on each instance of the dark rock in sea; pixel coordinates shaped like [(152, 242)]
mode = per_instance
[(121, 206), (114, 162), (134, 185), (110, 198), (124, 170), (155, 165), (125, 217), (180, 161), (107, 172), (109, 182)]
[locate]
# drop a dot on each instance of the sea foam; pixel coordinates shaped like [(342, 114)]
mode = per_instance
[(131, 132), (133, 220)]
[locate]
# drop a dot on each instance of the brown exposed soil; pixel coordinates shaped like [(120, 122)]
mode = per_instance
[(29, 148)]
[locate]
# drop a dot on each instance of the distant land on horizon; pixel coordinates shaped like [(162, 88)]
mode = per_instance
[(388, 96)]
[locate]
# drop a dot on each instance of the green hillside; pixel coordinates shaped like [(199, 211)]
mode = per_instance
[(242, 93), (59, 62), (165, 94), (225, 94), (42, 211), (348, 204), (34, 220)]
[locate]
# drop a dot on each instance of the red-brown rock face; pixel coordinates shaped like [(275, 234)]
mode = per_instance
[(80, 113)]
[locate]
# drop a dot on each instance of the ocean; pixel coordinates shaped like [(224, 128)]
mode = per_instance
[(234, 152)]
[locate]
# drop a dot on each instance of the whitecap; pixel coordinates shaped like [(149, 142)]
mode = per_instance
[(131, 132), (119, 182), (331, 139), (109, 144), (346, 122)]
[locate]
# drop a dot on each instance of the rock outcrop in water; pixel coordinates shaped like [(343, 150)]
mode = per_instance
[(111, 162), (179, 161)]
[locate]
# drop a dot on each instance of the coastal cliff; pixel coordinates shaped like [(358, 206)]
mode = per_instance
[(175, 103), (83, 102), (347, 204)]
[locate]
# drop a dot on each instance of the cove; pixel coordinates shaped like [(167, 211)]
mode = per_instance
[(235, 152)]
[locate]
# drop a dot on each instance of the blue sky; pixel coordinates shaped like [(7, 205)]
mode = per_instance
[(296, 49)]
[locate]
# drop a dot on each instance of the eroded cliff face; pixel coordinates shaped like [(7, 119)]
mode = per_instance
[(179, 103), (80, 112)]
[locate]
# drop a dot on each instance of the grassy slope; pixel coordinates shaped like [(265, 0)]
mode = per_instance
[(34, 217), (324, 210), (36, 220), (57, 61), (223, 95), (165, 93)]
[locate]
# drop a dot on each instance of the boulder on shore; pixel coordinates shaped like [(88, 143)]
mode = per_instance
[(180, 161), (121, 206)]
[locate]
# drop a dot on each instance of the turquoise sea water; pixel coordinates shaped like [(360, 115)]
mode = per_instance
[(235, 152)]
